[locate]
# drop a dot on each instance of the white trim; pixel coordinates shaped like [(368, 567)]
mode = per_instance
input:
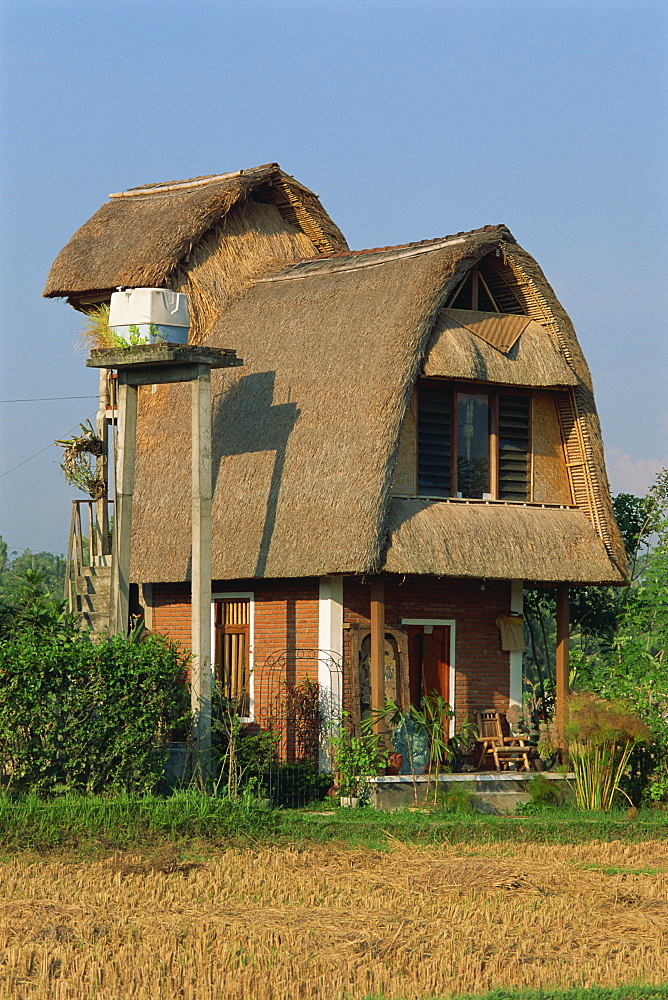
[(453, 673), (330, 639), (228, 595), (515, 681)]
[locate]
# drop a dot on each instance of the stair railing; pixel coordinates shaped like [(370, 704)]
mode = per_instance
[(85, 548)]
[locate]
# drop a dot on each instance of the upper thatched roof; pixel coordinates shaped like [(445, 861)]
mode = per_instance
[(140, 236), (306, 433)]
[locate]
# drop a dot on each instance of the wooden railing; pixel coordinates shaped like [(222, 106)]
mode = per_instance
[(89, 547)]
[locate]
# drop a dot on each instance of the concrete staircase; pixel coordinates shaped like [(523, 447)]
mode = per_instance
[(92, 598)]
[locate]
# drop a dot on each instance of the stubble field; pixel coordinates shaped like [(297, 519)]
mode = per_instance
[(324, 921)]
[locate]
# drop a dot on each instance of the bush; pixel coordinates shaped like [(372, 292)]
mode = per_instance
[(78, 716)]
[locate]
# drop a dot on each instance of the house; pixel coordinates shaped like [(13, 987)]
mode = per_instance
[(412, 440)]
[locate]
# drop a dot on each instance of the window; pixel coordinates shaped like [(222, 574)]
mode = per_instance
[(232, 651), (472, 444)]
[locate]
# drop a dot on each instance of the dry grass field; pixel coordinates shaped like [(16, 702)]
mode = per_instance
[(324, 922)]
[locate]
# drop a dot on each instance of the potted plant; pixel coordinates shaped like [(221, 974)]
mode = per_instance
[(356, 760)]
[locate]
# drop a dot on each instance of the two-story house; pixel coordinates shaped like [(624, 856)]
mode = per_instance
[(411, 440)]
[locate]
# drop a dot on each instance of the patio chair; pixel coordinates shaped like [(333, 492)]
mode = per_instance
[(498, 747)]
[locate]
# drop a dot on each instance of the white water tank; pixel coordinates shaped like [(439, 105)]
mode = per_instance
[(159, 314)]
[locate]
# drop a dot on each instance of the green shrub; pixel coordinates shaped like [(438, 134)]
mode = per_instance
[(79, 716)]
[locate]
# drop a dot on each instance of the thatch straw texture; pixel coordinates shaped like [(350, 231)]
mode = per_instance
[(306, 433), (584, 444), (139, 237), (495, 541), (533, 360)]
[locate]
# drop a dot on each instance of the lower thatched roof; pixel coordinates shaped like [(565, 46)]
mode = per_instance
[(495, 541)]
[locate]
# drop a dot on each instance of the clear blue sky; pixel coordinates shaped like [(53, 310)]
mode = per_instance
[(411, 118)]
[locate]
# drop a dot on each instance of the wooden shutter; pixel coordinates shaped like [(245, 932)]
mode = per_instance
[(232, 629), (514, 441), (434, 440)]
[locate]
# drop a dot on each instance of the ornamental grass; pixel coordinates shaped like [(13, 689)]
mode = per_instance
[(601, 735)]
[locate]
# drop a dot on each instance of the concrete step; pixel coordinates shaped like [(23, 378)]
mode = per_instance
[(93, 587)]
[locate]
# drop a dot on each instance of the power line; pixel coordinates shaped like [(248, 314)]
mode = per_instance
[(41, 452), (44, 399)]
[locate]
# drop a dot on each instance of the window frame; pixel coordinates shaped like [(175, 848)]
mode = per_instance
[(217, 598), (493, 392)]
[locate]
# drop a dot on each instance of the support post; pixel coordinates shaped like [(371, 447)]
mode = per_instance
[(378, 650), (102, 468), (562, 668), (201, 565), (125, 479)]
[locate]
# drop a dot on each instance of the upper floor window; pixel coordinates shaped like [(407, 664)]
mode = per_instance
[(472, 442)]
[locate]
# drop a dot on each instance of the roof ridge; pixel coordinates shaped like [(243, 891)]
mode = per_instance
[(163, 186), (363, 258), (413, 245)]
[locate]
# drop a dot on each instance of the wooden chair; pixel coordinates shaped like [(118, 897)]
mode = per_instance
[(497, 745)]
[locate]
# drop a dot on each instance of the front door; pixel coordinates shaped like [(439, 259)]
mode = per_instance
[(429, 661)]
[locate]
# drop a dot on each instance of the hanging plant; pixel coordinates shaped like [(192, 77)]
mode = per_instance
[(78, 453)]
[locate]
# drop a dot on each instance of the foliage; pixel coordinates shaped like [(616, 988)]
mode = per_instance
[(98, 334), (78, 454), (635, 666), (28, 604), (241, 754), (356, 758), (304, 719), (13, 567), (601, 735), (81, 716)]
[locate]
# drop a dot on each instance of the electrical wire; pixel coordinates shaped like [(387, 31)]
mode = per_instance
[(50, 445), (44, 399)]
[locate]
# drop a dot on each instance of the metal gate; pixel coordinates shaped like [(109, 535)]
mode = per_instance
[(298, 695)]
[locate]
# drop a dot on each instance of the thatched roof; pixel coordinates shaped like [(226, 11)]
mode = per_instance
[(306, 433), (495, 541), (141, 236)]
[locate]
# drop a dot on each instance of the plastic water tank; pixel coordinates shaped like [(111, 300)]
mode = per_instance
[(158, 313)]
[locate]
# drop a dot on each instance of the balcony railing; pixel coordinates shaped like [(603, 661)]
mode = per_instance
[(89, 543)]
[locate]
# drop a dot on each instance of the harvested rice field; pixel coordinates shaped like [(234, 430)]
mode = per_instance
[(327, 922)]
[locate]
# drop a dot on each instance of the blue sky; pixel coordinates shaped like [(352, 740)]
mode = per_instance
[(411, 118)]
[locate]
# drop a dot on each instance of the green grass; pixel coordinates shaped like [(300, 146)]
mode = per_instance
[(638, 992), (97, 822)]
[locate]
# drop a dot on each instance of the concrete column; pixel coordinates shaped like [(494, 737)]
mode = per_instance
[(102, 470), (201, 564), (378, 648), (330, 640), (125, 480), (562, 667), (516, 606)]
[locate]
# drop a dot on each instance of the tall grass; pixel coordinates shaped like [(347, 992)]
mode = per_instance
[(75, 822)]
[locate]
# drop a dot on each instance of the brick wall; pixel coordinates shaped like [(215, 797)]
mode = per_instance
[(482, 667), (286, 619)]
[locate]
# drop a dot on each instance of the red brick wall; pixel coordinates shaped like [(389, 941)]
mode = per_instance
[(482, 668), (286, 618)]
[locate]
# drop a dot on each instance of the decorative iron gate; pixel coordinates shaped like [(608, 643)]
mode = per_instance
[(299, 694)]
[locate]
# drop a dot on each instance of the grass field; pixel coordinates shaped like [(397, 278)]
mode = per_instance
[(191, 916)]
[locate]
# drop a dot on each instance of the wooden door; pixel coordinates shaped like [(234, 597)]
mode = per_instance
[(429, 661)]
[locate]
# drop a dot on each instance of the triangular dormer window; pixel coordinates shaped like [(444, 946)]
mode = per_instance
[(488, 287)]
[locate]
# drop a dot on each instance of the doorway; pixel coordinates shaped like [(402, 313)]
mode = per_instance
[(431, 658)]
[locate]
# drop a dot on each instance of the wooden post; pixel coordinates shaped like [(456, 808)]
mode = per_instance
[(201, 564), (378, 649), (125, 479), (562, 668)]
